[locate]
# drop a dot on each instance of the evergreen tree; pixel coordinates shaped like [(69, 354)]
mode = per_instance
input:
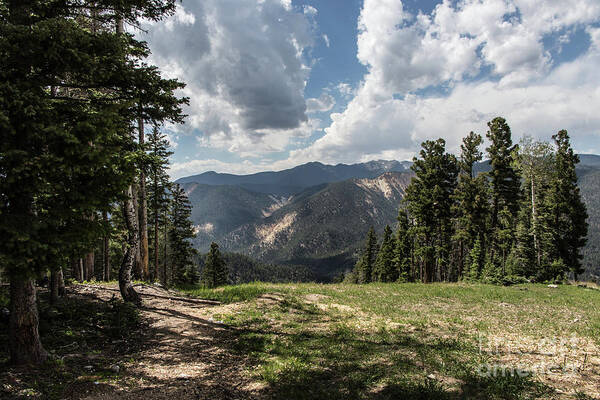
[(476, 262), (181, 231), (471, 205), (403, 248), (364, 266), (429, 198), (505, 190), (569, 213), (522, 258), (215, 271), (535, 162), (384, 269), (66, 151), (158, 194)]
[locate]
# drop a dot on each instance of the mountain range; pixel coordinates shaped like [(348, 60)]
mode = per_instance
[(316, 215)]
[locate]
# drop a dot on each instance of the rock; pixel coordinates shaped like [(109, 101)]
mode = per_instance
[(431, 376), (115, 368), (553, 286), (88, 368)]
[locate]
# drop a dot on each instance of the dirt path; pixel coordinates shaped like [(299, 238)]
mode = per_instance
[(187, 355)]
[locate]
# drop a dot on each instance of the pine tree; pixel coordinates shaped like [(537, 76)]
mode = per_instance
[(181, 231), (569, 213), (384, 269), (476, 262), (364, 266), (471, 204), (402, 260), (429, 198), (522, 258), (158, 193), (215, 272), (66, 151), (535, 162), (505, 190)]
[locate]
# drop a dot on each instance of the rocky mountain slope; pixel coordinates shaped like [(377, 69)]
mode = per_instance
[(317, 216)]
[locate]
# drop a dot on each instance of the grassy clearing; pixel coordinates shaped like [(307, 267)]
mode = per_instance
[(418, 341)]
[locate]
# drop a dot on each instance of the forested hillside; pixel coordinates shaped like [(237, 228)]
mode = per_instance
[(320, 237)]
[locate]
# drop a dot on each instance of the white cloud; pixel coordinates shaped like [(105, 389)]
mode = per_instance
[(245, 67), (309, 10), (405, 53), (326, 40), (325, 102)]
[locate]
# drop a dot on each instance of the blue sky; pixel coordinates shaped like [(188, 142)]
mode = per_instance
[(276, 83)]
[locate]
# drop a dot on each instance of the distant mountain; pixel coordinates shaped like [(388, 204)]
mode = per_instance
[(317, 215), (321, 227), (294, 180)]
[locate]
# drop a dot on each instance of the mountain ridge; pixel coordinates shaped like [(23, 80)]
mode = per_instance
[(323, 225)]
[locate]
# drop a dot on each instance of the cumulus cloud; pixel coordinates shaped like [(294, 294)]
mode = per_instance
[(489, 59), (325, 102), (245, 66)]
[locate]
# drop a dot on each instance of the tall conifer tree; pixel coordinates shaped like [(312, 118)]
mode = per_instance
[(384, 269), (180, 234), (569, 213), (429, 198), (364, 266)]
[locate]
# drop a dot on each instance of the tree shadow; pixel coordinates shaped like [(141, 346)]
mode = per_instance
[(254, 360)]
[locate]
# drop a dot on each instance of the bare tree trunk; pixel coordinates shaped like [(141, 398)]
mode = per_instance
[(138, 270), (60, 277), (127, 290), (53, 286), (89, 266), (165, 280), (156, 244), (105, 252), (24, 340), (143, 209)]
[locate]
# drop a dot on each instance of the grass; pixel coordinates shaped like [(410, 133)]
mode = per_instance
[(411, 340), (229, 294)]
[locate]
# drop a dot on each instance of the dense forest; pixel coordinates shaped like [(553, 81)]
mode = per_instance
[(83, 160), (522, 220)]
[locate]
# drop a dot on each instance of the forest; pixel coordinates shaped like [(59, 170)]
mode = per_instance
[(103, 295), (523, 221)]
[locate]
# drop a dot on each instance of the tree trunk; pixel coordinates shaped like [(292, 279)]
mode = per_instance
[(127, 290), (165, 280), (89, 266), (156, 244), (143, 210), (24, 340), (138, 269), (53, 286), (105, 252), (61, 282)]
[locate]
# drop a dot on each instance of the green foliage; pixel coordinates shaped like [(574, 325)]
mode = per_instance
[(403, 248), (180, 232), (384, 269), (243, 269), (215, 271), (66, 114), (429, 203), (364, 267), (471, 209), (569, 214)]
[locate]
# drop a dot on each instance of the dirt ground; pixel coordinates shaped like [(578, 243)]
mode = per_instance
[(186, 355)]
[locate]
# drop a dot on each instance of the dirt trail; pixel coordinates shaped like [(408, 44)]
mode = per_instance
[(187, 355)]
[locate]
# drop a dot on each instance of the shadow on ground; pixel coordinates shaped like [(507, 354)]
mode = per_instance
[(173, 351)]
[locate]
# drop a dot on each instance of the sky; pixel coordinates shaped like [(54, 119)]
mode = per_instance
[(278, 83)]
